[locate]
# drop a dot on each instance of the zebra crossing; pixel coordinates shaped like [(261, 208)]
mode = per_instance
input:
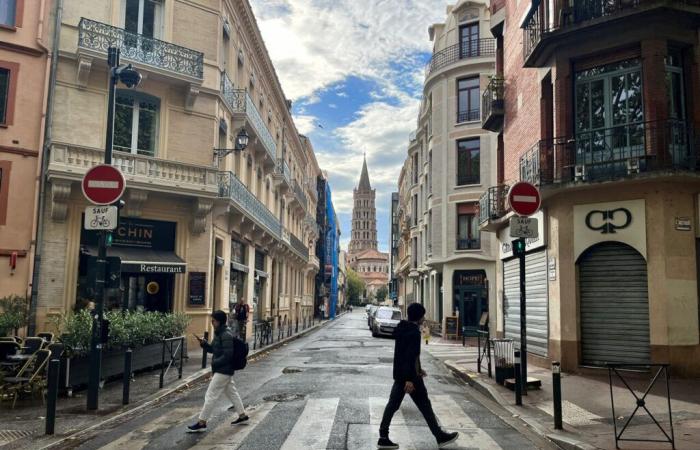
[(316, 420), (452, 351)]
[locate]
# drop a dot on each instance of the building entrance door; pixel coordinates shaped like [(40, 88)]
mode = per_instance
[(471, 306), (150, 292)]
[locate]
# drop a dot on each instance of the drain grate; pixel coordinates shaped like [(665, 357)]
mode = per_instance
[(7, 436), (292, 370)]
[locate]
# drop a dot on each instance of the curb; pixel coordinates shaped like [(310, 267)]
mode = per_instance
[(563, 439), (74, 438)]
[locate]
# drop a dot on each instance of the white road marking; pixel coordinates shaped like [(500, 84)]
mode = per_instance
[(313, 428), (571, 413), (398, 430), (232, 436), (453, 418), (140, 437)]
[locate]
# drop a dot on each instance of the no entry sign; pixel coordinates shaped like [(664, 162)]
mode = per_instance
[(524, 198), (103, 185)]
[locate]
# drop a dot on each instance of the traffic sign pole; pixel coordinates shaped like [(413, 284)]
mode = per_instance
[(523, 320)]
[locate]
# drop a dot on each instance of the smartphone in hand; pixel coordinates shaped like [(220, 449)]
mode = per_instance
[(197, 337)]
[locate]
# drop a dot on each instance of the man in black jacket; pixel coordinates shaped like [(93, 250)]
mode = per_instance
[(222, 381), (408, 379)]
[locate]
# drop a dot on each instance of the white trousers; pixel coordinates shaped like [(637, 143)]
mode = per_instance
[(219, 384)]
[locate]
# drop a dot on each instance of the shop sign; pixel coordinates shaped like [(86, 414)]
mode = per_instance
[(138, 233), (136, 267), (683, 224), (504, 238), (552, 268), (470, 278), (197, 288), (623, 221)]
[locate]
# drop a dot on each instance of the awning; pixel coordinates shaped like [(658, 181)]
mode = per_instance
[(239, 267), (143, 260)]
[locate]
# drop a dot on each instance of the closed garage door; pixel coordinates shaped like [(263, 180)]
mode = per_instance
[(537, 324), (614, 305)]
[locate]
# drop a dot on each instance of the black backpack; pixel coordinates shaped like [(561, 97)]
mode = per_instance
[(240, 354)]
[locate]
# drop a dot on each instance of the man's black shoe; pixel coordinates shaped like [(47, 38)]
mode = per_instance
[(386, 443), (240, 419), (446, 439)]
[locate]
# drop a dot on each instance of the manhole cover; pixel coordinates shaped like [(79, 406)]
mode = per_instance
[(292, 370), (281, 398), (7, 436)]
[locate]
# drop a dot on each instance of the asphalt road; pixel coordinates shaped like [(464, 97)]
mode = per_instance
[(324, 391)]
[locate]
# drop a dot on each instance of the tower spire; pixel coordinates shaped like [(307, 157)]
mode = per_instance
[(364, 177)]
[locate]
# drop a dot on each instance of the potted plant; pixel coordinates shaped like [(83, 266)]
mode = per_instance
[(13, 314)]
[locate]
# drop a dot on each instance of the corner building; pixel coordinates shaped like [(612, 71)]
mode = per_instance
[(597, 103), (199, 231), (445, 261)]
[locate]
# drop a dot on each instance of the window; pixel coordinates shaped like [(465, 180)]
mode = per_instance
[(468, 156), (8, 13), (4, 94), (142, 17), (468, 100), (674, 85), (469, 40), (136, 123), (238, 251), (468, 234)]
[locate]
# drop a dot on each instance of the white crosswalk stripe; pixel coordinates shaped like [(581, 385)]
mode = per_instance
[(313, 428), (227, 436), (453, 418)]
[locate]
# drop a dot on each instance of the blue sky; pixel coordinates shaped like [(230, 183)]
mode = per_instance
[(354, 70)]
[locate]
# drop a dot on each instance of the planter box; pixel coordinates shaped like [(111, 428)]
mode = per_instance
[(75, 372)]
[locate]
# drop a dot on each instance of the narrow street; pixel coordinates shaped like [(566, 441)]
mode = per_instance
[(326, 390)]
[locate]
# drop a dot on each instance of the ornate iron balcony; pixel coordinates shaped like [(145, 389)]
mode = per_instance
[(492, 204), (613, 153), (230, 187), (240, 103), (282, 168), (477, 48), (301, 197), (468, 116), (493, 105), (468, 244), (299, 247), (137, 48)]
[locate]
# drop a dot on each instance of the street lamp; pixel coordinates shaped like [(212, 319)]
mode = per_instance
[(131, 78), (242, 140)]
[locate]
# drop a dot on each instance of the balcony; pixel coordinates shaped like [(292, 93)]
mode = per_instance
[(71, 162), (493, 204), (662, 147), (468, 244), (230, 187), (473, 115), (300, 196), (282, 175), (493, 105), (313, 263), (558, 23), (311, 225), (241, 104), (299, 248), (479, 48), (94, 38)]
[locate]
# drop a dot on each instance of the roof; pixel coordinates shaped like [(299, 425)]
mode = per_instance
[(371, 253), (364, 177)]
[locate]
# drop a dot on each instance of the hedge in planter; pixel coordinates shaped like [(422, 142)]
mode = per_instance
[(13, 314)]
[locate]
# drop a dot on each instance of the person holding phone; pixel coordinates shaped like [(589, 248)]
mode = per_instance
[(222, 381)]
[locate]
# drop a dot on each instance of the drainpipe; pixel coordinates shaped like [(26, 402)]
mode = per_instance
[(48, 123)]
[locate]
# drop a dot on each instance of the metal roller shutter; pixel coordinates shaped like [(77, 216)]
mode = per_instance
[(614, 305), (537, 316)]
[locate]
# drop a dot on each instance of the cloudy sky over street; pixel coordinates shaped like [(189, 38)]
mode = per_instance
[(354, 69)]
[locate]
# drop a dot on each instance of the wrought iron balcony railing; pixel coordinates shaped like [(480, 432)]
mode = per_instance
[(141, 49), (282, 168), (468, 244), (613, 153), (412, 136), (301, 197), (493, 203), (230, 187), (299, 247), (240, 102), (468, 116), (310, 222), (493, 105), (477, 48)]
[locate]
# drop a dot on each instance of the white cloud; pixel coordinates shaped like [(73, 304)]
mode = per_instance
[(305, 123)]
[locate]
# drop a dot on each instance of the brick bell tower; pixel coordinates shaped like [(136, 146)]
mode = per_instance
[(364, 215)]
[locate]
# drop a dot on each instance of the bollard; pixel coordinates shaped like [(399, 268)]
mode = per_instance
[(556, 394), (518, 384), (127, 377), (204, 351), (52, 395)]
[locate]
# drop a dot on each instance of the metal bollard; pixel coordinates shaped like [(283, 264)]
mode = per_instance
[(204, 351), (127, 377), (52, 395), (518, 383), (556, 394)]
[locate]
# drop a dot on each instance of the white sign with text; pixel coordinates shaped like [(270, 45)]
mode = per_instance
[(523, 227), (101, 217)]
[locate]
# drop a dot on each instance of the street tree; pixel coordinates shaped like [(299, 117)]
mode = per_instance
[(355, 287), (382, 292)]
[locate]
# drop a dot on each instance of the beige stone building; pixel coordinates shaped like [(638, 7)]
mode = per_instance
[(202, 228), (25, 30), (451, 162)]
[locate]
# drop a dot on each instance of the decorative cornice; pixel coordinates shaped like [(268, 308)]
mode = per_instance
[(19, 151), (21, 49)]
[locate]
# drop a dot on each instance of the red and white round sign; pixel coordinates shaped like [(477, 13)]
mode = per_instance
[(103, 184), (524, 198)]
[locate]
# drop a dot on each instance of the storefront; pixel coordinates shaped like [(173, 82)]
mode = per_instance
[(471, 299), (259, 287), (239, 273), (149, 265)]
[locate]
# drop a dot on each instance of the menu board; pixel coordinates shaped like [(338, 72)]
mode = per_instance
[(451, 327), (197, 288)]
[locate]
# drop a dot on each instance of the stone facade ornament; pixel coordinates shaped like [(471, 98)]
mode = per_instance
[(200, 210), (60, 193)]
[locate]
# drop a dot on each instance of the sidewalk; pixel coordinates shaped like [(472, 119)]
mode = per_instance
[(586, 403), (23, 426)]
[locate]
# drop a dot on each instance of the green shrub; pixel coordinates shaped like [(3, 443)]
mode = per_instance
[(131, 329), (13, 314)]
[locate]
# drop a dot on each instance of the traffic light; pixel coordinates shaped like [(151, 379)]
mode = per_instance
[(109, 238), (518, 247)]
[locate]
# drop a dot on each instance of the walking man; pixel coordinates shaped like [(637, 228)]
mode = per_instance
[(408, 379), (222, 380), (240, 312)]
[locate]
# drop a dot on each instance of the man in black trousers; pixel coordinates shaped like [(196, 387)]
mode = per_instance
[(408, 379)]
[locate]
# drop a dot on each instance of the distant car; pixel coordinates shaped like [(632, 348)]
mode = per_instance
[(385, 320), (370, 313)]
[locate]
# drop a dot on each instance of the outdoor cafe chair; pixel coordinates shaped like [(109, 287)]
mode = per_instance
[(8, 348), (32, 344), (48, 337), (31, 378)]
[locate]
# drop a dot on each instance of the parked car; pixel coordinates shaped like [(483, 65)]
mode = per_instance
[(385, 320), (370, 313)]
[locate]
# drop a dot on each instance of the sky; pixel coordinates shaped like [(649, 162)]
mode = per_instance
[(354, 70)]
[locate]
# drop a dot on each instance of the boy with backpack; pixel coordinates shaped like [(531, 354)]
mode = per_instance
[(229, 354), (240, 312)]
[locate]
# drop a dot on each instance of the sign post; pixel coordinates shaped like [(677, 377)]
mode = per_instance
[(524, 199)]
